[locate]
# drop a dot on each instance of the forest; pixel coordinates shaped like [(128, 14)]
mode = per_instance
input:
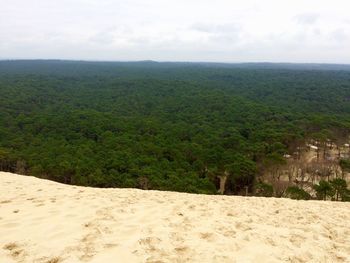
[(166, 126)]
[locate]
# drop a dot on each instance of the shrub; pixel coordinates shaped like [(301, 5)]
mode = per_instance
[(297, 193), (263, 189), (323, 190)]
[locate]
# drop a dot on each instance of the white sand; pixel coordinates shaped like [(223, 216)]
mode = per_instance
[(43, 221)]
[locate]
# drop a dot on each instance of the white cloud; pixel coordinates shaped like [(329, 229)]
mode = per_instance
[(307, 19), (196, 30)]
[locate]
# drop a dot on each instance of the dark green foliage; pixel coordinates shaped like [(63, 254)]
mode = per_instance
[(345, 165), (242, 173), (263, 189), (346, 196), (324, 189), (161, 125), (340, 188), (297, 193), (7, 160), (335, 189)]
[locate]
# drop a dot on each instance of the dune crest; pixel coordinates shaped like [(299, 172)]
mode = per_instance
[(44, 221)]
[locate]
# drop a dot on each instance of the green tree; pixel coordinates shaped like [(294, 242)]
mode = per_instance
[(340, 187), (324, 189), (345, 166)]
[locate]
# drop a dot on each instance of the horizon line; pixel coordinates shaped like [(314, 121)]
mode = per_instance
[(170, 61)]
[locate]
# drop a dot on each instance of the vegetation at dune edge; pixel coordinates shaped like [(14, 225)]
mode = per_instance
[(171, 126), (295, 192)]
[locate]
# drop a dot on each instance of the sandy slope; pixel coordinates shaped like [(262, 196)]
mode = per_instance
[(43, 221)]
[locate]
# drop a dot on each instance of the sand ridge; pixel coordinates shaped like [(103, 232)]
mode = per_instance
[(43, 221)]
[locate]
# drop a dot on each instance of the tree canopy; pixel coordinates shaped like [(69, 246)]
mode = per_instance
[(169, 126)]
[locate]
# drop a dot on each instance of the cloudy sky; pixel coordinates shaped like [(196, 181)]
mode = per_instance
[(177, 30)]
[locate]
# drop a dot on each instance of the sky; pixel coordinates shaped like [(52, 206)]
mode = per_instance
[(306, 31)]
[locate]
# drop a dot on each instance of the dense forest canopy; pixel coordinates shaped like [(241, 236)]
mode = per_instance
[(169, 126)]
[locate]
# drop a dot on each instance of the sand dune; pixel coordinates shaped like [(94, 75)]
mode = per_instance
[(44, 221)]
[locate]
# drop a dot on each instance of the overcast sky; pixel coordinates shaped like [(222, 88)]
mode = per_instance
[(177, 30)]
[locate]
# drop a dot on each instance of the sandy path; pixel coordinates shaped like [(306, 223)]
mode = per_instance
[(43, 221)]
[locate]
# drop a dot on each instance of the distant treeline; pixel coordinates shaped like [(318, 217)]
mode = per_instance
[(163, 126)]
